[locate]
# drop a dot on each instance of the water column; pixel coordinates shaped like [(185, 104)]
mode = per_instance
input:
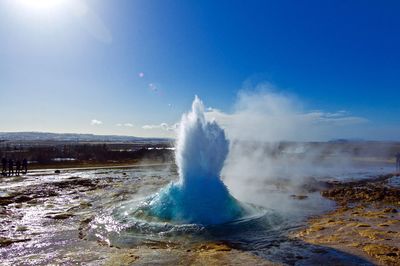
[(199, 196)]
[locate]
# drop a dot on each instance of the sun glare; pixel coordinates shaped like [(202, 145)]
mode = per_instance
[(44, 5)]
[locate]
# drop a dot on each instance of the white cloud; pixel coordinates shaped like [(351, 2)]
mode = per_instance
[(124, 125), (95, 122), (163, 126)]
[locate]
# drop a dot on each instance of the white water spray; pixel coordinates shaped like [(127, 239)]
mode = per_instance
[(199, 196)]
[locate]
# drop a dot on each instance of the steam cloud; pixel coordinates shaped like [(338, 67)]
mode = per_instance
[(266, 115), (268, 133)]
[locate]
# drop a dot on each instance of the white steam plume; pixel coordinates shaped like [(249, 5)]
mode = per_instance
[(268, 131)]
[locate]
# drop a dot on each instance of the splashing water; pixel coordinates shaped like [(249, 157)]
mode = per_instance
[(199, 196)]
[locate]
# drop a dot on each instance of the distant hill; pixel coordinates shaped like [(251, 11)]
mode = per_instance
[(43, 136), (347, 140)]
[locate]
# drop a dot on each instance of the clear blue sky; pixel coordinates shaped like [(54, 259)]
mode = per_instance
[(63, 65)]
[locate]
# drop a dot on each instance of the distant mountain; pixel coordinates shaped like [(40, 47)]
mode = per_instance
[(347, 140), (43, 136)]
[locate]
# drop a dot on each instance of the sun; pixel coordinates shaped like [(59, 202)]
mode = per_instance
[(41, 5)]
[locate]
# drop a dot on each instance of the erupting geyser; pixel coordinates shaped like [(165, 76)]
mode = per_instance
[(199, 196)]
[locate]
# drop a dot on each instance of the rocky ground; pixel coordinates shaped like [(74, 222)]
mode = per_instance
[(44, 220), (366, 222)]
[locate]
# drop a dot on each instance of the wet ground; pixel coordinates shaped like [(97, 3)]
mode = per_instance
[(67, 218), (366, 223), (43, 215)]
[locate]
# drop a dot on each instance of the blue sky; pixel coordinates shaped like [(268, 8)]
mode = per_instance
[(76, 66)]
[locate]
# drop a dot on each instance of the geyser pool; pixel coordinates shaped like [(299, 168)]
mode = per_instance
[(200, 196)]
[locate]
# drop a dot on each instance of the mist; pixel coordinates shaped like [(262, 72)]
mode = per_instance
[(267, 114), (279, 148)]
